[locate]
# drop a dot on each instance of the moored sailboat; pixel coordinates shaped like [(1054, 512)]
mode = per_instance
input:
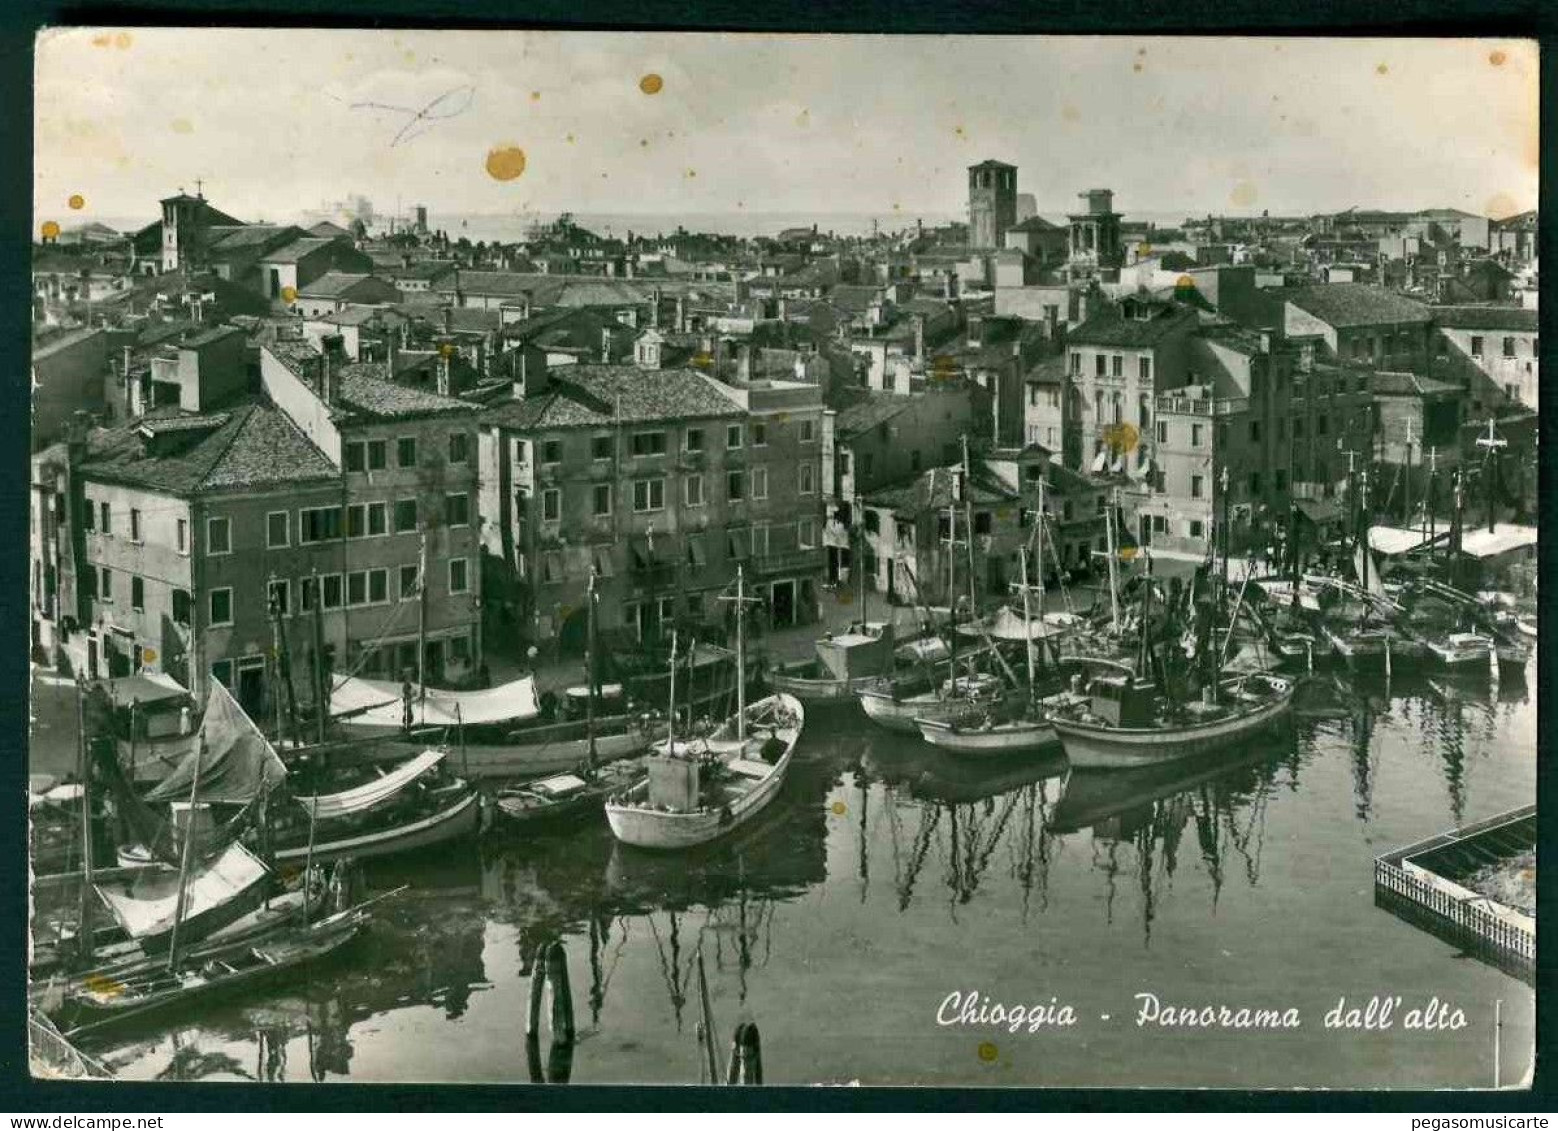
[(701, 788)]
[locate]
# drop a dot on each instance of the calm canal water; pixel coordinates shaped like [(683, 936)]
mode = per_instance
[(887, 877)]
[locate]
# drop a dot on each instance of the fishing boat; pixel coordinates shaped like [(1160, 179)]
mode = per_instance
[(1123, 725), (1124, 719), (376, 708), (203, 974), (959, 697), (704, 787), (360, 828), (565, 795), (146, 902), (844, 663), (1462, 651)]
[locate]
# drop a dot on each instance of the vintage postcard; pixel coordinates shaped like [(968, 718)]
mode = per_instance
[(670, 558)]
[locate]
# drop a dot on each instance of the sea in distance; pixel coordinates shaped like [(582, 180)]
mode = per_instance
[(886, 877)]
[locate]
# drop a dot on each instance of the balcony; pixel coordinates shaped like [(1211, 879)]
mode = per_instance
[(1202, 406), (791, 561)]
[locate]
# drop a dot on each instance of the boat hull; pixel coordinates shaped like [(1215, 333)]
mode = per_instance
[(998, 741), (904, 715), (540, 759), (450, 823), (817, 692), (1091, 746), (643, 827)]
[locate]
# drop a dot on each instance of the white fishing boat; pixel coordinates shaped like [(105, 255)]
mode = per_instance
[(956, 698), (1119, 728), (701, 788), (988, 738), (844, 663), (1461, 651)]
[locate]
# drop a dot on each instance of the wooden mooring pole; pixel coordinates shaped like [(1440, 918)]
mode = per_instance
[(549, 971), (1498, 1033), (746, 1056)]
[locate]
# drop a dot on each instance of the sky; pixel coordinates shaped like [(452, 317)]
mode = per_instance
[(276, 121)]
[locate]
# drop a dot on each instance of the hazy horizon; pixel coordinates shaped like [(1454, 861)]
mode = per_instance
[(660, 124)]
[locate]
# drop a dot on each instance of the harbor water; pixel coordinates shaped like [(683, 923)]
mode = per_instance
[(888, 877)]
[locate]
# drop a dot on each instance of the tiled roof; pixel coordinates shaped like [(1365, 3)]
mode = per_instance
[(366, 387), (1035, 224), (332, 284), (602, 294), (325, 230), (246, 237), (933, 489), (362, 316), (1355, 304), (1113, 329), (296, 250), (592, 396), (867, 414), (1393, 384), (249, 445), (541, 288), (213, 334), (1485, 317), (426, 269), (1048, 371), (853, 298)]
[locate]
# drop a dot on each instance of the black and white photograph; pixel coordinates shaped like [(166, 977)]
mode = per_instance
[(596, 558)]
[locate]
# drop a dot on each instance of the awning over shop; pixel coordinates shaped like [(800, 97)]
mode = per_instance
[(1502, 539), (144, 688), (1394, 540), (1318, 511)]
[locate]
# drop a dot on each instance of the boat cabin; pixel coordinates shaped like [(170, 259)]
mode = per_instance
[(674, 784), (863, 650), (1122, 700)]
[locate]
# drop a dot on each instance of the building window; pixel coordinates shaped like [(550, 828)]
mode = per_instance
[(601, 447), (459, 581), (277, 529), (278, 597), (982, 522), (1255, 484), (221, 606), (332, 590), (551, 451), (1279, 479), (222, 670), (137, 594), (408, 582), (1144, 368), (806, 533), (808, 431), (694, 439), (648, 495), (89, 516), (1076, 363), (181, 607), (306, 594), (135, 525), (406, 451), (105, 585), (600, 500), (759, 434), (808, 479), (319, 524), (181, 533), (649, 443), (733, 436), (356, 456), (460, 648), (552, 505), (378, 455), (1322, 425), (736, 486), (106, 526), (457, 509), (1298, 428), (1196, 529), (692, 491), (1117, 366), (459, 447), (760, 482), (1476, 345), (357, 587), (1254, 431), (760, 541), (1162, 431), (1509, 347), (219, 536), (1197, 487), (405, 515)]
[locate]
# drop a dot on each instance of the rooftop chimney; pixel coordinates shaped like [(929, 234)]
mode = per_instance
[(976, 329), (448, 316), (919, 338), (605, 345), (443, 370), (654, 308), (327, 377), (681, 314)]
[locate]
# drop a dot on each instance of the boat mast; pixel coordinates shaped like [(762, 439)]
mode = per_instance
[(187, 854), (1490, 444), (1429, 500), (952, 595), (1114, 588), (589, 671), (670, 730), (968, 523), (741, 653), (84, 923), (1406, 499), (1027, 620), (860, 556), (1038, 553)]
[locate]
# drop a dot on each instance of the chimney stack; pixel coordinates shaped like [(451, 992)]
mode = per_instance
[(326, 377), (681, 314), (744, 361), (919, 338), (605, 345), (448, 315), (976, 329), (654, 309), (443, 370)]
